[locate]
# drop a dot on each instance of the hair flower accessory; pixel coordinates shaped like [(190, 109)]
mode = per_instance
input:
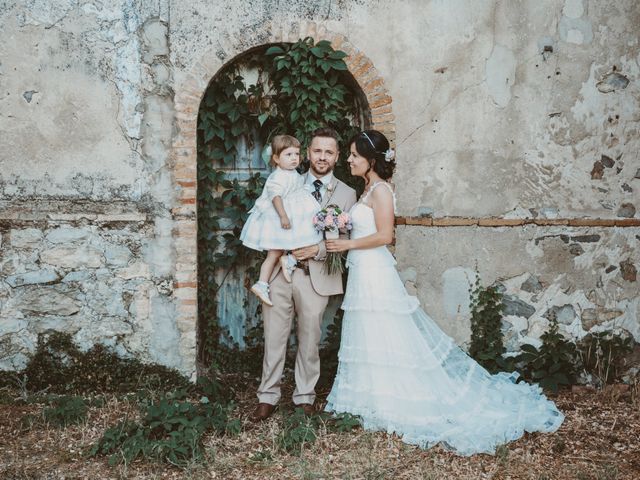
[(389, 155)]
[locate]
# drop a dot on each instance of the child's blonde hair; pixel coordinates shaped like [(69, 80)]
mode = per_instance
[(279, 143)]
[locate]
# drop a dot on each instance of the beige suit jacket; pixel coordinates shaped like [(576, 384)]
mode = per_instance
[(344, 196)]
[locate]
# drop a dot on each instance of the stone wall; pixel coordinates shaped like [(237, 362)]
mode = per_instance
[(516, 126)]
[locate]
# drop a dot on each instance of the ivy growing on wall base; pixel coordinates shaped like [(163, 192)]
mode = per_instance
[(297, 88)]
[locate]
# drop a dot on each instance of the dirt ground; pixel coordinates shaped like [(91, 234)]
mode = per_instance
[(600, 439)]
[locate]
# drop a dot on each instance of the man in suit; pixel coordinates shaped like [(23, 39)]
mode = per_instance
[(307, 295)]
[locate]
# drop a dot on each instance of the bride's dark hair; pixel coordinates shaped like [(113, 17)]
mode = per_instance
[(374, 146)]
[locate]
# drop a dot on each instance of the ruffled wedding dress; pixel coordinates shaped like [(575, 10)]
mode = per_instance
[(401, 374)]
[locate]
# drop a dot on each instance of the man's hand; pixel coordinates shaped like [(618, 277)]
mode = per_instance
[(305, 253)]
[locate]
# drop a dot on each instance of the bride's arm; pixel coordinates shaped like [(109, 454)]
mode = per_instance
[(382, 205)]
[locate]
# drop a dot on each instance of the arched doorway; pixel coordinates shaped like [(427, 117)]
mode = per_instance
[(190, 93)]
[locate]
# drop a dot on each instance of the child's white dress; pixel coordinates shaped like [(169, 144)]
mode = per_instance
[(262, 231)]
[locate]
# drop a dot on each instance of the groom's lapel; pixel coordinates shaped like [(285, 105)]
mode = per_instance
[(330, 192)]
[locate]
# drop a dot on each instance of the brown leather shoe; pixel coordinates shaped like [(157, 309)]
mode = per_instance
[(307, 408), (262, 412)]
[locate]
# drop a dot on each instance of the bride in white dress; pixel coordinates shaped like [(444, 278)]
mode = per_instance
[(397, 370)]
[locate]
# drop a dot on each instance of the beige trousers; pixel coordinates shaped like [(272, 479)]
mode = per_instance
[(291, 299)]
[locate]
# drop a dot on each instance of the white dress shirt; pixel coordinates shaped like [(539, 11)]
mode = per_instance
[(326, 180)]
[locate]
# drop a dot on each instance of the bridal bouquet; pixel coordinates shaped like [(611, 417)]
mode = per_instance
[(331, 220)]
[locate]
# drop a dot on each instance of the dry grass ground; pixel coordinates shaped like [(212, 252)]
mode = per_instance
[(600, 439)]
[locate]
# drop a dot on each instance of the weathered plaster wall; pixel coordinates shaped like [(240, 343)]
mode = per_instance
[(85, 186), (513, 110)]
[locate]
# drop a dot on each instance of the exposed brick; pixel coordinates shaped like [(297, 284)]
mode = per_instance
[(500, 222), (185, 151), (186, 293), (361, 70), (194, 85), (186, 277), (186, 97), (378, 101), (186, 267), (190, 108), (427, 222), (185, 171), (187, 193), (184, 141), (453, 221), (187, 116), (188, 301), (185, 285), (353, 62), (550, 221), (381, 110), (368, 76), (187, 244), (376, 86), (186, 166), (185, 231), (387, 118), (385, 125), (187, 183), (184, 211), (628, 222), (590, 222), (186, 322), (186, 124)]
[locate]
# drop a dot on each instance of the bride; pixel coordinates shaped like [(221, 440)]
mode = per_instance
[(397, 370)]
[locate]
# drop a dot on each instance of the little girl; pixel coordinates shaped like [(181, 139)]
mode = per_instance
[(282, 217)]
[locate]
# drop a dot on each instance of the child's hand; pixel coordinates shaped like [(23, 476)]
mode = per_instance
[(284, 222)]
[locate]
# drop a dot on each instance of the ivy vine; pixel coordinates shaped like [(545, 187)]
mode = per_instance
[(299, 87), (487, 346)]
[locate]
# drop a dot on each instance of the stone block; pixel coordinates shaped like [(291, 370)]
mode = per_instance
[(135, 270), (517, 307), (73, 257), (564, 314), (45, 301), (67, 235), (25, 238), (12, 324), (627, 210), (117, 255), (79, 276), (531, 285), (106, 299), (33, 277)]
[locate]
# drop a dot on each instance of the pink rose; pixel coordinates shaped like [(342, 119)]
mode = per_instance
[(328, 220)]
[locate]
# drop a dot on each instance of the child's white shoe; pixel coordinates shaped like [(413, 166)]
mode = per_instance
[(288, 264), (261, 289)]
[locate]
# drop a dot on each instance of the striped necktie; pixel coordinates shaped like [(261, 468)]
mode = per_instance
[(316, 193)]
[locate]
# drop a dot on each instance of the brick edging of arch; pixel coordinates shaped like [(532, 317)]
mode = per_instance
[(189, 93)]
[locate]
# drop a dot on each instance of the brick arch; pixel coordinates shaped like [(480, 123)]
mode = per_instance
[(189, 93)]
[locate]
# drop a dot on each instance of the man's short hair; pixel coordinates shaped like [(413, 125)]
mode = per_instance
[(327, 132)]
